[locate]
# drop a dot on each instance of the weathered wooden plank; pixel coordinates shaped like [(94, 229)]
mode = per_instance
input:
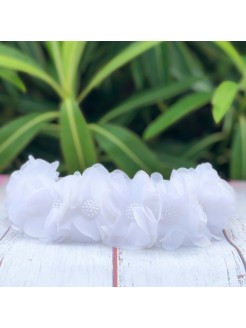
[(236, 234), (27, 262), (217, 265)]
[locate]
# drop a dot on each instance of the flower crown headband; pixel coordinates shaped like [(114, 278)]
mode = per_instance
[(191, 208)]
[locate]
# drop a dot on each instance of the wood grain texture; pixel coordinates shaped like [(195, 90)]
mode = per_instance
[(236, 234), (28, 262), (217, 265)]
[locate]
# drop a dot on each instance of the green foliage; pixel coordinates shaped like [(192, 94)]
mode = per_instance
[(147, 98), (126, 149), (13, 78), (169, 104), (223, 98), (15, 135), (14, 59), (76, 141), (238, 160), (176, 112)]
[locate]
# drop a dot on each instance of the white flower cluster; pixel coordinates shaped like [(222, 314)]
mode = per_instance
[(191, 208)]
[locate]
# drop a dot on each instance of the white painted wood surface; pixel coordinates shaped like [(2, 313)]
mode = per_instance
[(217, 265), (28, 262)]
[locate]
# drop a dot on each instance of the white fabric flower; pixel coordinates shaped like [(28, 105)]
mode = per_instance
[(34, 179), (78, 205), (63, 210), (214, 194), (192, 207), (182, 220), (130, 211)]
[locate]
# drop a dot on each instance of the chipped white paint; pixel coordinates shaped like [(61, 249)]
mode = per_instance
[(217, 265), (28, 262)]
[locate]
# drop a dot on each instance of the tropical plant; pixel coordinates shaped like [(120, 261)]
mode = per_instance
[(132, 105)]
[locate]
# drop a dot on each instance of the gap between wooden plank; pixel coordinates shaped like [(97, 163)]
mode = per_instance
[(115, 267), (236, 248)]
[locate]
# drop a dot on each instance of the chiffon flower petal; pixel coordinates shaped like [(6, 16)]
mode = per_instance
[(190, 209)]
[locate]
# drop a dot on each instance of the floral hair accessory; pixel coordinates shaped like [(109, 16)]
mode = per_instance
[(192, 208)]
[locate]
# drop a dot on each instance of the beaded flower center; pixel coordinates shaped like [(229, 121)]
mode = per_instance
[(89, 209), (169, 214), (130, 210)]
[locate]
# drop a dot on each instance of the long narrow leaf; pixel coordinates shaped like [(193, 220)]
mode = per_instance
[(154, 65), (76, 140), (54, 48), (176, 112), (184, 64), (15, 60), (126, 149), (132, 51), (147, 98), (51, 130), (72, 52), (199, 146), (238, 155), (233, 54), (242, 122), (16, 135), (13, 78)]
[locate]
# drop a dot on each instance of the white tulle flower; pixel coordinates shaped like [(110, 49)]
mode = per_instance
[(63, 210), (182, 220), (215, 195), (130, 211), (77, 206), (34, 179), (189, 209)]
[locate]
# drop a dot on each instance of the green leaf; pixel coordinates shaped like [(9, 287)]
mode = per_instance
[(233, 54), (154, 65), (176, 112), (184, 63), (238, 154), (133, 50), (76, 141), (28, 105), (34, 50), (72, 52), (13, 78), (222, 99), (54, 49), (194, 150), (13, 59), (137, 74), (17, 134), (147, 98), (126, 149), (51, 130)]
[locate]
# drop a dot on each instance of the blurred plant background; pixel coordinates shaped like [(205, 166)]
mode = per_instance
[(132, 105)]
